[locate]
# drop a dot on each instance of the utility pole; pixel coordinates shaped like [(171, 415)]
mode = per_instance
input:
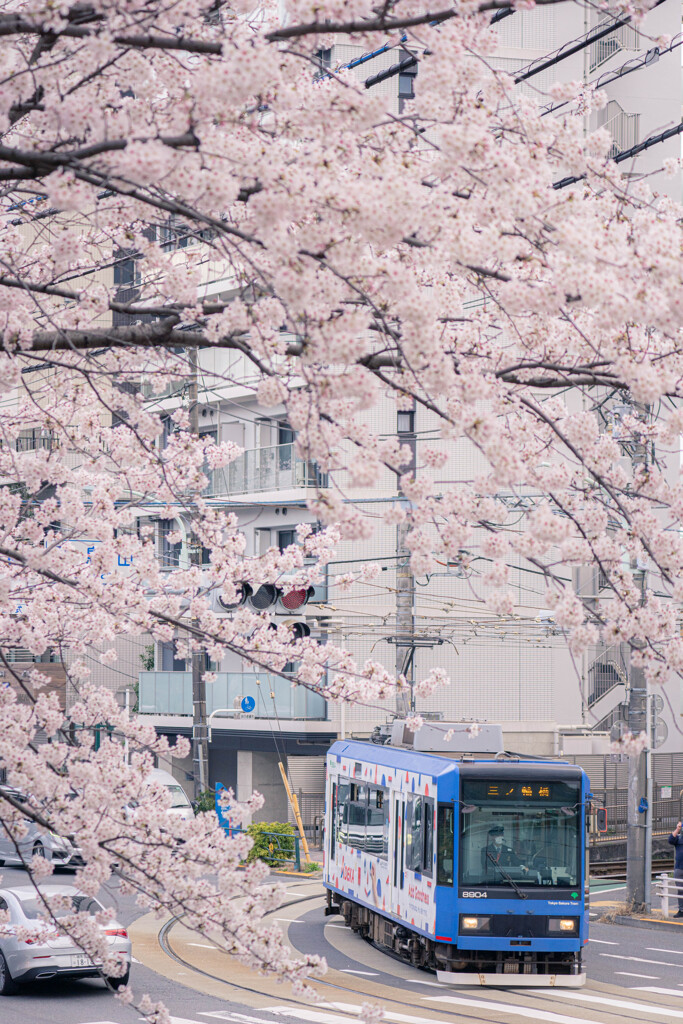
[(405, 581), (639, 805), (200, 744)]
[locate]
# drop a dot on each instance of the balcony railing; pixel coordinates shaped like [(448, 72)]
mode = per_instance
[(273, 468), (170, 693)]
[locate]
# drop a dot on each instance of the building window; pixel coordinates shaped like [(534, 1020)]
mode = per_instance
[(405, 422), (170, 662), (285, 538), (285, 434), (406, 88), (170, 550)]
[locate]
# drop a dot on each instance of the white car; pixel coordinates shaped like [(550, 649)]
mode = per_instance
[(180, 802), (38, 842), (55, 955)]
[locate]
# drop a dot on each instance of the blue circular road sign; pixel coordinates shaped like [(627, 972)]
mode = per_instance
[(248, 704)]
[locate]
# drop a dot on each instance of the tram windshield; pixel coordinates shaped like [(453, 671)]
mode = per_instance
[(516, 833)]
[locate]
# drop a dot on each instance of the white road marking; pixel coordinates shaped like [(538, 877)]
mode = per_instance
[(202, 945), (624, 1004), (511, 1008), (599, 892), (658, 949), (312, 1016), (238, 1018), (370, 974), (629, 974), (659, 991), (604, 942), (180, 1020), (432, 984), (638, 959), (288, 920)]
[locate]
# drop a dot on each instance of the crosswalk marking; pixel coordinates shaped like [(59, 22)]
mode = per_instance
[(658, 991), (370, 974), (623, 1004), (638, 959), (630, 974), (503, 1007)]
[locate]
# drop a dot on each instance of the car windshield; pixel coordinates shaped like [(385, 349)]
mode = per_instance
[(33, 907), (178, 796), (526, 833)]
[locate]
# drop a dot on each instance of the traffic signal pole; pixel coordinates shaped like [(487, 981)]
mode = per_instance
[(639, 807), (200, 743), (405, 581)]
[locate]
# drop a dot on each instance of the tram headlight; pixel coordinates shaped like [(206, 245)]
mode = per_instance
[(563, 925), (474, 924)]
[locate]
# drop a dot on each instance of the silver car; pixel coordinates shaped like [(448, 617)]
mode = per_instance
[(54, 956), (38, 842)]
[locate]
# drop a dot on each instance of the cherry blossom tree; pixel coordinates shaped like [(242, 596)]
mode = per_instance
[(436, 255)]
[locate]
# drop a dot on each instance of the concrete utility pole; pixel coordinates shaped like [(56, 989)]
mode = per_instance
[(639, 806), (405, 581), (200, 744)]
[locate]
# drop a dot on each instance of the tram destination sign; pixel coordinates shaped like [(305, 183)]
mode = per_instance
[(518, 791)]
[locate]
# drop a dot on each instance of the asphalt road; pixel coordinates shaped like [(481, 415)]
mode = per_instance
[(634, 975)]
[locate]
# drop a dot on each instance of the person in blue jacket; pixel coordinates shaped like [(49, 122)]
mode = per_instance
[(676, 839)]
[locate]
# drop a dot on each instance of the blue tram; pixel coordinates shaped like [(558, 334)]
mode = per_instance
[(473, 867)]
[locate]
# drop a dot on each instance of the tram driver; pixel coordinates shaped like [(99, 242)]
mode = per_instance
[(498, 852)]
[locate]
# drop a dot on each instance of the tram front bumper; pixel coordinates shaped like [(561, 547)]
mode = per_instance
[(471, 978)]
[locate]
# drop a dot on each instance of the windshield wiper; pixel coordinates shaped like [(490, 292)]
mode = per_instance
[(520, 892)]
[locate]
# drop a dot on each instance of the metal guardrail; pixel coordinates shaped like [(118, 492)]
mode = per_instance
[(665, 816), (668, 888)]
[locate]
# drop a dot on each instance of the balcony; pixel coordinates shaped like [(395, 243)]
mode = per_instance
[(170, 693), (274, 468)]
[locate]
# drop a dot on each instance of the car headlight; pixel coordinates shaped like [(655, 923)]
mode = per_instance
[(563, 925), (474, 924)]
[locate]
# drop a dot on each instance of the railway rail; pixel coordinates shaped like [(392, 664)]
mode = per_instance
[(540, 1001), (617, 868)]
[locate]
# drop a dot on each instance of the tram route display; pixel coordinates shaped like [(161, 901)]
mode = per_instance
[(473, 868)]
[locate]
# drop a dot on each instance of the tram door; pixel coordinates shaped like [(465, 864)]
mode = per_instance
[(398, 846)]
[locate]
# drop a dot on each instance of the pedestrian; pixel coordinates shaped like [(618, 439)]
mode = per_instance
[(677, 840)]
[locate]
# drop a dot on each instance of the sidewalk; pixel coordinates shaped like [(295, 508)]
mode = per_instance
[(615, 911)]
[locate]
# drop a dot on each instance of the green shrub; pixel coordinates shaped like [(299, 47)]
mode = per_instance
[(206, 801), (273, 842)]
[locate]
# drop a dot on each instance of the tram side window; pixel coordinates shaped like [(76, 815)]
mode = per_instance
[(413, 833), (444, 845), (333, 819), (357, 813), (362, 818), (419, 834), (343, 792), (377, 834), (428, 845)]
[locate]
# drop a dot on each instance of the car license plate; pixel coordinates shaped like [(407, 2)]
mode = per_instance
[(81, 960)]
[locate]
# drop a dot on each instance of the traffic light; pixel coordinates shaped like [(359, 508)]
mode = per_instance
[(266, 596), (244, 591), (296, 599), (299, 629)]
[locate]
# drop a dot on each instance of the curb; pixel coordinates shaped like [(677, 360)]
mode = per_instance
[(298, 874), (647, 922)]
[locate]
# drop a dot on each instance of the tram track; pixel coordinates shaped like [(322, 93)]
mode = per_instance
[(538, 999)]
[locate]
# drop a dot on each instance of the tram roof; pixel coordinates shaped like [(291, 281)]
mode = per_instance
[(440, 764)]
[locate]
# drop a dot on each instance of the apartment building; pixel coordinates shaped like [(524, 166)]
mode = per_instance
[(516, 670)]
